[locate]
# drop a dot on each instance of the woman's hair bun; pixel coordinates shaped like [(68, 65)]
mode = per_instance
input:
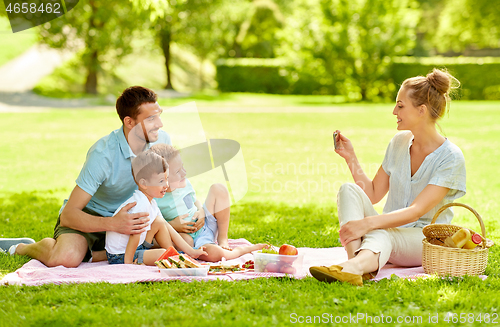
[(440, 80)]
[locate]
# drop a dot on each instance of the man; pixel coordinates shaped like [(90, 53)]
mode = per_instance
[(104, 183)]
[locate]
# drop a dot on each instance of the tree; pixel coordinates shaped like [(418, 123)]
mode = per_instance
[(468, 23), (177, 21), (346, 46), (105, 29), (207, 27), (257, 34)]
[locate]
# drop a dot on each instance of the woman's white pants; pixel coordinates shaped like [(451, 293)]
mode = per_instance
[(400, 246)]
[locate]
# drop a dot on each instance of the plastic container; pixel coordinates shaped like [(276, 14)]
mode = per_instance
[(287, 264), (473, 242), (181, 272)]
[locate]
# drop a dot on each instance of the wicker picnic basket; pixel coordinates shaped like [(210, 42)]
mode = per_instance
[(447, 261)]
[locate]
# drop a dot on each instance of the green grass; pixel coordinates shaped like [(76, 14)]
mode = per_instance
[(13, 44), (44, 151)]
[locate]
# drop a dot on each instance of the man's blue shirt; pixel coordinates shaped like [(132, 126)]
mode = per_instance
[(107, 172)]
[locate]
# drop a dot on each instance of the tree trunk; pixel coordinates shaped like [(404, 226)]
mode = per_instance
[(202, 60), (92, 62), (91, 81), (166, 37)]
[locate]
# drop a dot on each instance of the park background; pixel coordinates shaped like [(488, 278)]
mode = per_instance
[(278, 77)]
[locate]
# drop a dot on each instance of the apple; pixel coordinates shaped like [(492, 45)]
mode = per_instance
[(287, 249)]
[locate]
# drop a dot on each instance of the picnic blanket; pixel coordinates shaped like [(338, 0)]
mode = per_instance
[(35, 273)]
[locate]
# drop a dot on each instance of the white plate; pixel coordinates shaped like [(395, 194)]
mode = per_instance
[(197, 272)]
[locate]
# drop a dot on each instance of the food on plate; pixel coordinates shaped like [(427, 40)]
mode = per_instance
[(249, 264), (171, 251), (287, 249), (224, 268), (177, 261)]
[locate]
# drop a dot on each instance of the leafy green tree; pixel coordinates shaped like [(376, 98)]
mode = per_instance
[(346, 45), (193, 23), (103, 28), (257, 34), (468, 23), (426, 28)]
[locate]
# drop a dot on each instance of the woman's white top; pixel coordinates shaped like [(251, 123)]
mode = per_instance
[(444, 167)]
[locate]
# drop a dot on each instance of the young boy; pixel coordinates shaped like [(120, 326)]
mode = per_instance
[(150, 173), (180, 201)]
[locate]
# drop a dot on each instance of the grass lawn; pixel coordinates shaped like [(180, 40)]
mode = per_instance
[(291, 145)]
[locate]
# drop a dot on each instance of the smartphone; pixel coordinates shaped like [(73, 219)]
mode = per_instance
[(335, 140)]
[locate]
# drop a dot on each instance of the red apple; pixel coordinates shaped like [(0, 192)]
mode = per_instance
[(287, 249)]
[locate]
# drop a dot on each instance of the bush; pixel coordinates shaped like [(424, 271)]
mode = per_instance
[(252, 75), (479, 77)]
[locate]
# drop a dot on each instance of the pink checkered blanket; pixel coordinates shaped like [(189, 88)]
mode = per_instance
[(35, 273)]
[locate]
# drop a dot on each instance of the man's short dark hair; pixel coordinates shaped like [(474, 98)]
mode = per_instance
[(129, 101)]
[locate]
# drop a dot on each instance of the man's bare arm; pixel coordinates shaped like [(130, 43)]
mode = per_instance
[(73, 217)]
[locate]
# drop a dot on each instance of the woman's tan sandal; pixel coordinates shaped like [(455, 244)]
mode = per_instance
[(368, 276), (335, 273)]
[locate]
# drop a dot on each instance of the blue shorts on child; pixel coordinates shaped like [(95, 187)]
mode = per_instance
[(138, 255), (209, 231)]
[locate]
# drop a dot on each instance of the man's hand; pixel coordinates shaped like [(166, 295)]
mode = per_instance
[(181, 225), (129, 223)]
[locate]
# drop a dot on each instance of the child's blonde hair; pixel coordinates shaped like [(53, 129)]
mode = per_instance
[(148, 164), (165, 151)]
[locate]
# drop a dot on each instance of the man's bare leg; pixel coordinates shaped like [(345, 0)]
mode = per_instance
[(99, 256), (218, 203), (67, 250)]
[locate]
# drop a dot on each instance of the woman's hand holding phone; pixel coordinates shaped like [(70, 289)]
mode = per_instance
[(343, 145)]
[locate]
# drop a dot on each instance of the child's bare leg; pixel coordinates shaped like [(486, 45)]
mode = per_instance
[(160, 233), (150, 256), (215, 252), (218, 203)]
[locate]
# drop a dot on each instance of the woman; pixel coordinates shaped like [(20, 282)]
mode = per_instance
[(422, 171)]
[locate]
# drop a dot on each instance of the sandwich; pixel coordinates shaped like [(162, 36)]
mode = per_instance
[(177, 261), (189, 262), (225, 268), (164, 264)]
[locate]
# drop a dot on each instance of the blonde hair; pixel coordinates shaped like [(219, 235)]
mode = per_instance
[(432, 90), (165, 151)]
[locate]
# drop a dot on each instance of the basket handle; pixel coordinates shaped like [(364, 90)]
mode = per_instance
[(452, 204)]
